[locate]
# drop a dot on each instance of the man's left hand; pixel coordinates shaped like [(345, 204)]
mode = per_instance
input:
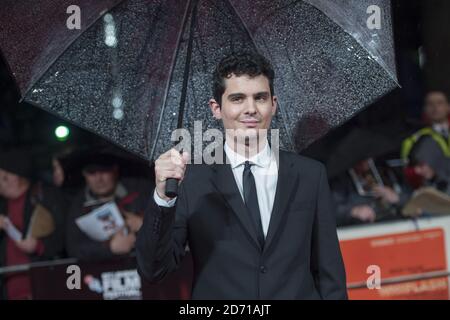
[(133, 221), (28, 245), (387, 194), (2, 222)]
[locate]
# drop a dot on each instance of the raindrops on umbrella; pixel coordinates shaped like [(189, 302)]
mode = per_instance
[(134, 65)]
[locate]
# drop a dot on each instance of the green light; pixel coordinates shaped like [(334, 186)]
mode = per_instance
[(62, 133)]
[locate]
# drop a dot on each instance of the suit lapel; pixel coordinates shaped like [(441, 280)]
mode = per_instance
[(286, 185), (225, 184)]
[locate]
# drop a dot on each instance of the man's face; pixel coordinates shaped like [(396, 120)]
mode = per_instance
[(11, 185), (101, 182), (437, 107), (424, 171), (362, 166), (247, 105)]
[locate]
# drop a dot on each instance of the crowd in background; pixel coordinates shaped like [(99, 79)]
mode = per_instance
[(82, 180), (58, 203), (424, 162)]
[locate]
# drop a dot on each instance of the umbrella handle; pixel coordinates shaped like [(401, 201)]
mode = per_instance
[(172, 187)]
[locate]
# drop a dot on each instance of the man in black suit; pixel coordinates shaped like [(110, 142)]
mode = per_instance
[(258, 226)]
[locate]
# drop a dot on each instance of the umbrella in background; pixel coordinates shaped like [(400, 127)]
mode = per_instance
[(358, 145), (129, 166), (139, 69)]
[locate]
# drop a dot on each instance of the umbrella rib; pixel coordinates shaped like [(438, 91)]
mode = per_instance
[(172, 67), (283, 116), (186, 66)]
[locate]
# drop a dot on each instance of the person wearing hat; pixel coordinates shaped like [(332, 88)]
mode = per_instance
[(430, 164), (35, 211), (436, 114), (103, 184)]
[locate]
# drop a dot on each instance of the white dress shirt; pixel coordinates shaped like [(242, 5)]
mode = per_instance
[(441, 128), (265, 172)]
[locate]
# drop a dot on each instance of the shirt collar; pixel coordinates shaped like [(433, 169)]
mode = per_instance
[(440, 127), (261, 159), (91, 199)]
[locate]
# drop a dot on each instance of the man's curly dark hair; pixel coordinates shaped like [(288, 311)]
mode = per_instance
[(251, 64)]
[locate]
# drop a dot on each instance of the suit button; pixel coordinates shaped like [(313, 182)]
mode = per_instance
[(263, 269)]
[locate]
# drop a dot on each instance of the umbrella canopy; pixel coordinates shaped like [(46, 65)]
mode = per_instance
[(139, 69), (358, 145)]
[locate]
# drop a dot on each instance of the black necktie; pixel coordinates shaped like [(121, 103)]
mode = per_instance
[(251, 201)]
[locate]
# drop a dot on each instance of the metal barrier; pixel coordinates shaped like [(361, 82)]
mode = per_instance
[(350, 286), (97, 280), (403, 279), (26, 267)]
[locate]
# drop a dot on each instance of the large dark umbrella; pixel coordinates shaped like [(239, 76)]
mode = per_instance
[(138, 69), (358, 145)]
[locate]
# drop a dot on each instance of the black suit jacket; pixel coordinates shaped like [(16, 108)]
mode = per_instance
[(301, 258)]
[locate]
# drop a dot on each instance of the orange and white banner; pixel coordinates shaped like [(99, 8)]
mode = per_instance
[(410, 258)]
